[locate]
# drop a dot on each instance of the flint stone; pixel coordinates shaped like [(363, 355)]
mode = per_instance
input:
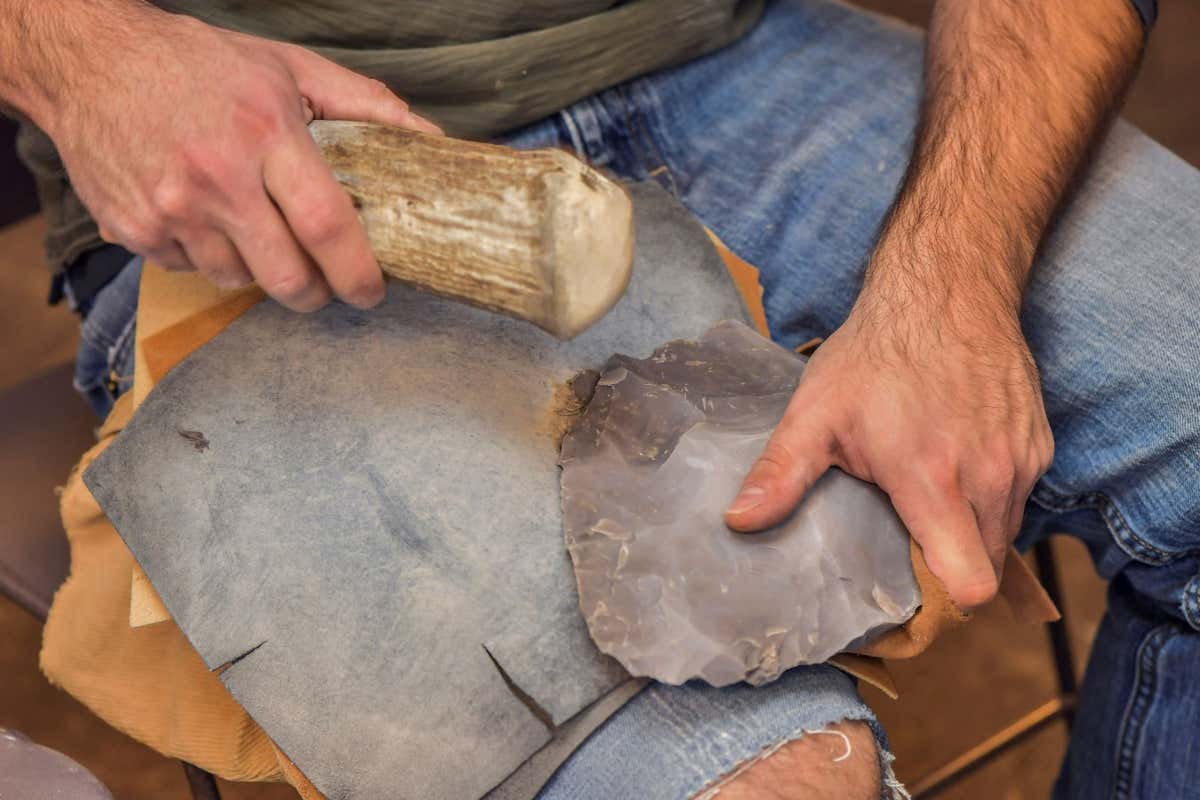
[(666, 588)]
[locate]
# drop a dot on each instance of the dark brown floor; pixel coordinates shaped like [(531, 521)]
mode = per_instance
[(969, 685)]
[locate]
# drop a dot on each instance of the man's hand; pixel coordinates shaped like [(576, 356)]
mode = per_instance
[(188, 143), (942, 411), (929, 388)]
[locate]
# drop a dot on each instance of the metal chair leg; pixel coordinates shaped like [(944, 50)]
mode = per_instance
[(1060, 640), (1062, 706), (201, 782), (1011, 735)]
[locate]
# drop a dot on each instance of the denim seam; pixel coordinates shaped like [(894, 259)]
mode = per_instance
[(574, 133), (121, 346), (113, 352), (84, 388), (1191, 602), (657, 133), (1134, 718), (636, 114), (1129, 541), (587, 134), (95, 336)]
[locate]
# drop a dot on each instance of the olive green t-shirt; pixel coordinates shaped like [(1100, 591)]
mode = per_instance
[(477, 67)]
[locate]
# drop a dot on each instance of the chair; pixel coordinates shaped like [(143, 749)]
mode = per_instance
[(45, 427), (1062, 706)]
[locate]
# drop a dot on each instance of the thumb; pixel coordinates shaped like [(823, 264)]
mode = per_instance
[(797, 454), (331, 91)]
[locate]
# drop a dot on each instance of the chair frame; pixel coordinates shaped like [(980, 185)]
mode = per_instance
[(1060, 707)]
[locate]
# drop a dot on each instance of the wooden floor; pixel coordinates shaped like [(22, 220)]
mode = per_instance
[(969, 685)]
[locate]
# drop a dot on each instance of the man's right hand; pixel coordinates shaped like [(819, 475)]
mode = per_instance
[(188, 143)]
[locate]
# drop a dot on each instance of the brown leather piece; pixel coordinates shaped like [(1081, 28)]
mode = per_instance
[(147, 682), (937, 614), (1024, 593), (169, 346)]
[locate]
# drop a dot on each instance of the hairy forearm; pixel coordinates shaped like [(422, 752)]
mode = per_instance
[(1015, 93), (46, 49)]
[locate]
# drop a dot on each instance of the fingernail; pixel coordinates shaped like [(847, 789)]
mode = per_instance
[(369, 300), (750, 497)]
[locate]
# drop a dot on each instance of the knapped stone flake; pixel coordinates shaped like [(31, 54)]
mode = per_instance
[(666, 588)]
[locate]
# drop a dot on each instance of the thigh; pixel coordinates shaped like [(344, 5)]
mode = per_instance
[(673, 742), (791, 145)]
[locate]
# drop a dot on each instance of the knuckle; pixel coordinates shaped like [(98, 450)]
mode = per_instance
[(173, 199), (941, 470), (1032, 464), (259, 114), (323, 223), (776, 459), (226, 277), (203, 165), (1046, 453), (1037, 457), (384, 92), (999, 473), (290, 286), (289, 50), (146, 235)]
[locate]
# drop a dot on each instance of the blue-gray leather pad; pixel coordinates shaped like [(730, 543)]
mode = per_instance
[(344, 509)]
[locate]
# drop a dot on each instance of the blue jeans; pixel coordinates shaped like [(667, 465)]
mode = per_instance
[(104, 364), (790, 145)]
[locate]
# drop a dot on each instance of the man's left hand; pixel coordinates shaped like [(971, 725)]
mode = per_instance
[(936, 400)]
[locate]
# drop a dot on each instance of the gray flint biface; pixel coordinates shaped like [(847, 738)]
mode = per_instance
[(666, 588)]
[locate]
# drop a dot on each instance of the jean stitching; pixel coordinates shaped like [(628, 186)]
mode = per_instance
[(1134, 719), (94, 335), (573, 131), (629, 112), (1191, 602), (1118, 526), (658, 133), (651, 104), (639, 123), (121, 345), (84, 388), (587, 132)]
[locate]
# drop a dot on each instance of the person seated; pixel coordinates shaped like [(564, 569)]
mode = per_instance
[(1007, 282)]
